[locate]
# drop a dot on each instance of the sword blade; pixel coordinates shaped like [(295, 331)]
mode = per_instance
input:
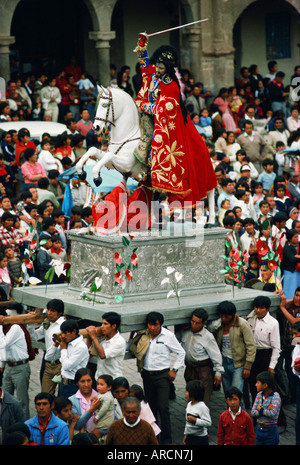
[(177, 27)]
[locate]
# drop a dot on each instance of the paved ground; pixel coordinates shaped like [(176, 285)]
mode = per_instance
[(177, 406)]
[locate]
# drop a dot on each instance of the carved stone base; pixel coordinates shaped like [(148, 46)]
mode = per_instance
[(196, 254)]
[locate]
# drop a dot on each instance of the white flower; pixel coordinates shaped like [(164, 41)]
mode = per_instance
[(170, 270), (59, 268), (178, 276), (24, 268), (98, 282), (105, 269), (165, 281), (171, 294), (34, 280)]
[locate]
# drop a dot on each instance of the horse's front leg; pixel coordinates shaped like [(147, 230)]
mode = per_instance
[(211, 207), (92, 152), (96, 170)]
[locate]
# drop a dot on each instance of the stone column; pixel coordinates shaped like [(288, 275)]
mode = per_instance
[(5, 42), (193, 35), (102, 45)]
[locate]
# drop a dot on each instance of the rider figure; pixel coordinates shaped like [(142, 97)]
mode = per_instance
[(178, 155)]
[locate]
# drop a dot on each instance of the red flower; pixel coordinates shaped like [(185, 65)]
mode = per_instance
[(134, 259), (33, 244), (118, 277), (118, 258), (272, 264), (262, 247), (128, 275), (28, 263)]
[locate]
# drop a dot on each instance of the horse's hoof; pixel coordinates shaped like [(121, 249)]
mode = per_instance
[(82, 176), (98, 181)]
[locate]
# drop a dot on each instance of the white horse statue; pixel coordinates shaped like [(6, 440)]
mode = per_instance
[(117, 110)]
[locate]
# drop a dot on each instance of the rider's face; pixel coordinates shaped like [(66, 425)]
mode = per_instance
[(160, 69)]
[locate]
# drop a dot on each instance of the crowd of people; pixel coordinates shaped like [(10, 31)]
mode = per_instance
[(247, 129)]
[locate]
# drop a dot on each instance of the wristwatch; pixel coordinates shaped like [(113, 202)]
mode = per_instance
[(174, 369)]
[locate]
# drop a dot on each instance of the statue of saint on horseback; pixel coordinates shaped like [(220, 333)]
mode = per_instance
[(153, 139)]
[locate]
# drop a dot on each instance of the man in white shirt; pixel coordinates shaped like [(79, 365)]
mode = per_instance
[(14, 357), (203, 358), (70, 348), (157, 374), (266, 335), (110, 346), (50, 326), (250, 236), (227, 193)]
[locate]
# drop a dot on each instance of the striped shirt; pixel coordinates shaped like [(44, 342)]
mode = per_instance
[(265, 416)]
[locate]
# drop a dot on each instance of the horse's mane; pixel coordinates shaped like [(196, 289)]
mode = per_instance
[(112, 89)]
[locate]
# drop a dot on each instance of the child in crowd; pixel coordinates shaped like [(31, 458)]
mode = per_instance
[(266, 410), (253, 268), (104, 416), (258, 195), (5, 281), (57, 252), (279, 157), (264, 210), (63, 409), (205, 122), (268, 176), (225, 206), (214, 158), (43, 257), (14, 265), (146, 412), (235, 426), (197, 415)]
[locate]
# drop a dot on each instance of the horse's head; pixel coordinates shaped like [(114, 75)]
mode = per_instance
[(113, 106), (105, 110)]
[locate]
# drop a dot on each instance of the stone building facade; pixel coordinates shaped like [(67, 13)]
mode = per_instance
[(238, 32)]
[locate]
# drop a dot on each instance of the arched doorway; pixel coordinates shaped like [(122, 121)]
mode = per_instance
[(267, 30), (51, 28)]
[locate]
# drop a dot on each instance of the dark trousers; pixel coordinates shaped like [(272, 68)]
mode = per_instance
[(202, 371), (261, 363), (157, 390)]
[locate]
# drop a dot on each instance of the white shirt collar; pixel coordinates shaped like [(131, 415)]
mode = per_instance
[(131, 425)]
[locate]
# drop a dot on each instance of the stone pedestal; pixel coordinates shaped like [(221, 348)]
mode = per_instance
[(195, 253)]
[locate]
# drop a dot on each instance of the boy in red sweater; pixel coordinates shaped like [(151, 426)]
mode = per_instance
[(235, 424)]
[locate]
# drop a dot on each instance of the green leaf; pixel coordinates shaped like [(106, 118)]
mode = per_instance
[(118, 299), (125, 241), (93, 288), (50, 275)]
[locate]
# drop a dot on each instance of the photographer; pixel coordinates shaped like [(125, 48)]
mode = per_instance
[(72, 352)]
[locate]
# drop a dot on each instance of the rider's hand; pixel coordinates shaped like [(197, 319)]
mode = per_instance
[(143, 39)]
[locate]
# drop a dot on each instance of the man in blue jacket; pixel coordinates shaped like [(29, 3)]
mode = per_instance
[(46, 428)]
